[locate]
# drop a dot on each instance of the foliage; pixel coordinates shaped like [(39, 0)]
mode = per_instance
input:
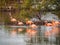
[(29, 8)]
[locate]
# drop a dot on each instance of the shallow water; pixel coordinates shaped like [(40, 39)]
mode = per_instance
[(21, 36)]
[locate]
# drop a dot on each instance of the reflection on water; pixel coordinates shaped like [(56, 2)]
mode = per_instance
[(27, 36)]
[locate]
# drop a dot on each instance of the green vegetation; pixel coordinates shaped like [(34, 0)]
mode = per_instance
[(31, 8)]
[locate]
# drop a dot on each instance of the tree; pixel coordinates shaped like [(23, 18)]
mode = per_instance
[(32, 8)]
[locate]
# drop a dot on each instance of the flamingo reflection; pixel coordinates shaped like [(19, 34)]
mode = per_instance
[(31, 32), (13, 33), (54, 31), (20, 29)]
